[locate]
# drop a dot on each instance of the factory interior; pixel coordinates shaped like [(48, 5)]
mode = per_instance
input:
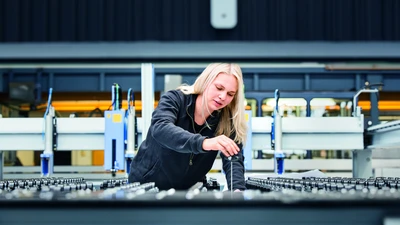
[(80, 80)]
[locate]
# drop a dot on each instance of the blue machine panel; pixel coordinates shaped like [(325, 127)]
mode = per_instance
[(114, 146)]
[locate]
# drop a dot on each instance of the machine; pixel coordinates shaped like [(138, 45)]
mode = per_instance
[(120, 133), (267, 200), (279, 198), (114, 134)]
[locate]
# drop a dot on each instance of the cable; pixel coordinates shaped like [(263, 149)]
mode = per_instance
[(116, 100), (131, 98), (277, 96), (49, 100)]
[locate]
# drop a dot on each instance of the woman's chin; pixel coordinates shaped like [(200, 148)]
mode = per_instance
[(213, 108)]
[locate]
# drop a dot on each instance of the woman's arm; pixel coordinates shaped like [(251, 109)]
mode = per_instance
[(164, 130), (234, 170)]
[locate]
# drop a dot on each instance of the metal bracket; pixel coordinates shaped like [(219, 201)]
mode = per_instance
[(55, 134)]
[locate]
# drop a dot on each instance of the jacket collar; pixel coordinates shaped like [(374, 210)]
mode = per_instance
[(212, 119)]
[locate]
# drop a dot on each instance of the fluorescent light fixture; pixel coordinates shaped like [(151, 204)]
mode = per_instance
[(287, 102), (322, 102), (301, 102)]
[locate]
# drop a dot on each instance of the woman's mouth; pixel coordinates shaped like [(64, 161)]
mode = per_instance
[(218, 104)]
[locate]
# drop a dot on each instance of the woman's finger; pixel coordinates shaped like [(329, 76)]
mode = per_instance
[(223, 150), (232, 147), (227, 145)]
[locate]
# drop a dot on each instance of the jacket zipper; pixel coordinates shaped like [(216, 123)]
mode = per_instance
[(191, 158), (191, 154)]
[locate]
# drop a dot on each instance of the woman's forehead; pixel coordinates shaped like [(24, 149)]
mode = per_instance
[(229, 81)]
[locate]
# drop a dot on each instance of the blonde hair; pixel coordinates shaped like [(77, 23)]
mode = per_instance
[(232, 116)]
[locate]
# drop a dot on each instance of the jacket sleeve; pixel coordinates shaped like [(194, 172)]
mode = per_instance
[(237, 169), (164, 130)]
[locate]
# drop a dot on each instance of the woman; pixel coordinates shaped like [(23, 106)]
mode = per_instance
[(190, 126)]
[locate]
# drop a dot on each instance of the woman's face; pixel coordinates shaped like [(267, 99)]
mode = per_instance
[(221, 91)]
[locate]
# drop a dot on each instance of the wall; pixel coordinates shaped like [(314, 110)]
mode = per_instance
[(184, 20)]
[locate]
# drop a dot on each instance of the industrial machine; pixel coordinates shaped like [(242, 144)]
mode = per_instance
[(120, 132), (277, 199), (267, 200)]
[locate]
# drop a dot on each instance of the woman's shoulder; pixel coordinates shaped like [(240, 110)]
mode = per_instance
[(174, 94), (177, 94)]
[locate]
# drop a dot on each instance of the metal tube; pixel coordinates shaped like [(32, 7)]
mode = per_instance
[(148, 81), (355, 103), (130, 148), (1, 164), (278, 154), (47, 161), (48, 148), (278, 131)]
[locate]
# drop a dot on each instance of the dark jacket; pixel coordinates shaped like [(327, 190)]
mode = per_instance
[(172, 142)]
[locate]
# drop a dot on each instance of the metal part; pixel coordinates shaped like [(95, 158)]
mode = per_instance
[(278, 132), (319, 198), (1, 164), (362, 164), (204, 50), (196, 187), (335, 167), (114, 145), (148, 80), (260, 96), (311, 133), (301, 164), (73, 134), (48, 148), (47, 164), (88, 133), (130, 147), (232, 159), (276, 137), (47, 157), (131, 132), (116, 97), (231, 176), (55, 134), (385, 136), (355, 98)]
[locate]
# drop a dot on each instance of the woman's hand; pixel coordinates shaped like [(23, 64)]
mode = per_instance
[(226, 145)]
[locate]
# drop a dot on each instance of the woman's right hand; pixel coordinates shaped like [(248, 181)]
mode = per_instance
[(226, 145)]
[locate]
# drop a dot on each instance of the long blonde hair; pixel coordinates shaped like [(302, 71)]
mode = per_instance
[(232, 116)]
